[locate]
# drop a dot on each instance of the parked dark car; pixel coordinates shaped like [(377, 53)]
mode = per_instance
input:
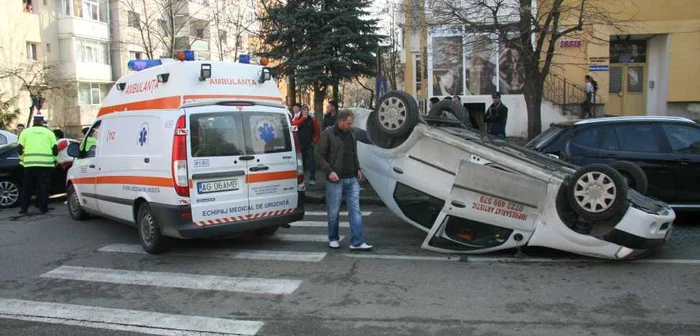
[(667, 149), (11, 177)]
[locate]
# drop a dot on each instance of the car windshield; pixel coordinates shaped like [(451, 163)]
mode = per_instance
[(545, 138)]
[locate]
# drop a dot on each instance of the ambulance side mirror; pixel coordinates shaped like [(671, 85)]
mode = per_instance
[(265, 75), (73, 150)]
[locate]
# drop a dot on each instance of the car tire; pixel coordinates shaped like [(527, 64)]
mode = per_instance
[(597, 192), (268, 231), (396, 114), (10, 194), (152, 240), (633, 175), (74, 208), (449, 106)]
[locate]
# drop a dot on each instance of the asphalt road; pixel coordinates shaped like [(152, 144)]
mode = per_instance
[(60, 277)]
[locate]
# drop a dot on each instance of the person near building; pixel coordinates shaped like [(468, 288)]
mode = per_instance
[(309, 133), (338, 160), (496, 117), (59, 134), (20, 128), (331, 116), (434, 101), (589, 103), (295, 110), (38, 150)]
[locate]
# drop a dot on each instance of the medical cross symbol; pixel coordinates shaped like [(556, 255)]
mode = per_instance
[(143, 136), (267, 132)]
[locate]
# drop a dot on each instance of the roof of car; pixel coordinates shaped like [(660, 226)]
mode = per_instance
[(622, 119)]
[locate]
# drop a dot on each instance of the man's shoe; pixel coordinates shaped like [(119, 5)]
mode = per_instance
[(22, 212), (363, 247), (334, 244), (312, 182)]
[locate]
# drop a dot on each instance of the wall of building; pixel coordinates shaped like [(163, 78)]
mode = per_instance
[(658, 74)]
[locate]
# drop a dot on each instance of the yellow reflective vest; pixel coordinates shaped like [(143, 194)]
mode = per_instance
[(37, 143)]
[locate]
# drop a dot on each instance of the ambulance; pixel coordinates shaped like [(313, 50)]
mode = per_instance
[(190, 149)]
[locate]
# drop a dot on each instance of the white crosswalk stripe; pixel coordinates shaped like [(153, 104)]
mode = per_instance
[(124, 319), (301, 238), (317, 224), (175, 280), (229, 254), (342, 213)]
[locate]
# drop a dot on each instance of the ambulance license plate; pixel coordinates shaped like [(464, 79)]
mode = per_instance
[(217, 186)]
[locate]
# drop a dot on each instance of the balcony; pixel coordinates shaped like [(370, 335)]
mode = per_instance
[(94, 72), (192, 43), (194, 8), (68, 26), (30, 22)]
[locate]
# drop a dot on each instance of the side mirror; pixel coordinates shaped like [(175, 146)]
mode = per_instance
[(73, 150), (265, 75)]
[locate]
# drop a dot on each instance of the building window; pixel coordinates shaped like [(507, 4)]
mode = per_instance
[(48, 47), (135, 55), (134, 20), (222, 36), (92, 93), (199, 33), (27, 6), (623, 50), (97, 10), (163, 26), (32, 51), (90, 51)]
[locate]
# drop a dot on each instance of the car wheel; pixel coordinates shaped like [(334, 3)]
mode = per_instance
[(597, 192), (396, 114), (74, 208), (633, 175), (152, 240), (449, 106), (10, 194), (267, 231)]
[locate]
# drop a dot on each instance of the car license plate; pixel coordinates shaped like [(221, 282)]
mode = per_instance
[(217, 186)]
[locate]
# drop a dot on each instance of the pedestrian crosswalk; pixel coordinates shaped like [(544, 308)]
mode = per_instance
[(279, 247)]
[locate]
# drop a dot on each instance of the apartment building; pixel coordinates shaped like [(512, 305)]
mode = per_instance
[(89, 43)]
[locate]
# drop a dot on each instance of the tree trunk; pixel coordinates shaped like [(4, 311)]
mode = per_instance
[(319, 96), (336, 93), (533, 100), (291, 90)]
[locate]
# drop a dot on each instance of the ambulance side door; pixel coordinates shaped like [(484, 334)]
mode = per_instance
[(272, 171), (87, 171)]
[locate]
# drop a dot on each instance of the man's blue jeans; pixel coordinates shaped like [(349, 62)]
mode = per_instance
[(350, 189)]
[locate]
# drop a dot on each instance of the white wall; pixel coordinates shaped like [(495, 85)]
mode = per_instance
[(658, 63)]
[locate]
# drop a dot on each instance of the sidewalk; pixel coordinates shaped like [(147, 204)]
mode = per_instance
[(317, 194)]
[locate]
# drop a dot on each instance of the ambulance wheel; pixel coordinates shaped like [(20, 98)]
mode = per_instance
[(449, 106), (10, 194), (396, 114), (597, 192), (269, 231), (74, 209), (152, 240)]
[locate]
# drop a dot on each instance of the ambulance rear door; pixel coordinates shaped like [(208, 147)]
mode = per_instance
[(272, 171), (217, 165)]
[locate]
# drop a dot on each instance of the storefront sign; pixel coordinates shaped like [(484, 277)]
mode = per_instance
[(599, 59), (570, 43), (594, 68)]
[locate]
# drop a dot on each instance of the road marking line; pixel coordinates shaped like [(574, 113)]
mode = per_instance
[(301, 238), (523, 260), (342, 213), (175, 280), (123, 319), (229, 254), (317, 224)]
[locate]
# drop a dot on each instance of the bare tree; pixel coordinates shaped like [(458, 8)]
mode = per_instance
[(8, 110), (233, 19), (167, 25), (533, 33)]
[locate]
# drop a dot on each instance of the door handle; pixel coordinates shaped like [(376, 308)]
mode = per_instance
[(459, 204), (92, 166), (147, 160), (398, 170), (246, 158), (259, 168)]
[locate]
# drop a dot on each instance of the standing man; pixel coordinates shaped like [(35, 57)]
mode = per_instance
[(38, 150), (295, 110), (433, 101), (338, 160), (331, 116), (496, 117), (591, 88), (309, 134)]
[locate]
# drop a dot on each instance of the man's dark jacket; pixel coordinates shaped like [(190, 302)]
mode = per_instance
[(330, 150), (496, 117)]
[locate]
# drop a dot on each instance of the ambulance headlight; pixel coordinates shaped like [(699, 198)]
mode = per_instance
[(205, 72)]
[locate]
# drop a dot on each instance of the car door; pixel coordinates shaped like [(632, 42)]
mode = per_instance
[(582, 147), (217, 165), (86, 168), (641, 144), (272, 165), (684, 143), (488, 209)]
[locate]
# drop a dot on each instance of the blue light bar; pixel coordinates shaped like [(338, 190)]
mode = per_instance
[(138, 65), (243, 58), (189, 55)]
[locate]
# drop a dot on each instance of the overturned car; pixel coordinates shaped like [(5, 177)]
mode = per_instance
[(473, 193)]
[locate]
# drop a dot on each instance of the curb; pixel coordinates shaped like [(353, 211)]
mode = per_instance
[(320, 198)]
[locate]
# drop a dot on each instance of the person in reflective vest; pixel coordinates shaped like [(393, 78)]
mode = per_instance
[(38, 150)]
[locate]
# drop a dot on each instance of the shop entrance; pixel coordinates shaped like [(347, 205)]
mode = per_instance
[(628, 73)]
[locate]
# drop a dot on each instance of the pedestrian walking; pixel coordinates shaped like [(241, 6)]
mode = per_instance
[(338, 160), (589, 103), (331, 116), (309, 134), (38, 150), (496, 117)]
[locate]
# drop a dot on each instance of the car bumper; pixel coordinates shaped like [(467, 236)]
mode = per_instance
[(176, 222), (640, 231)]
